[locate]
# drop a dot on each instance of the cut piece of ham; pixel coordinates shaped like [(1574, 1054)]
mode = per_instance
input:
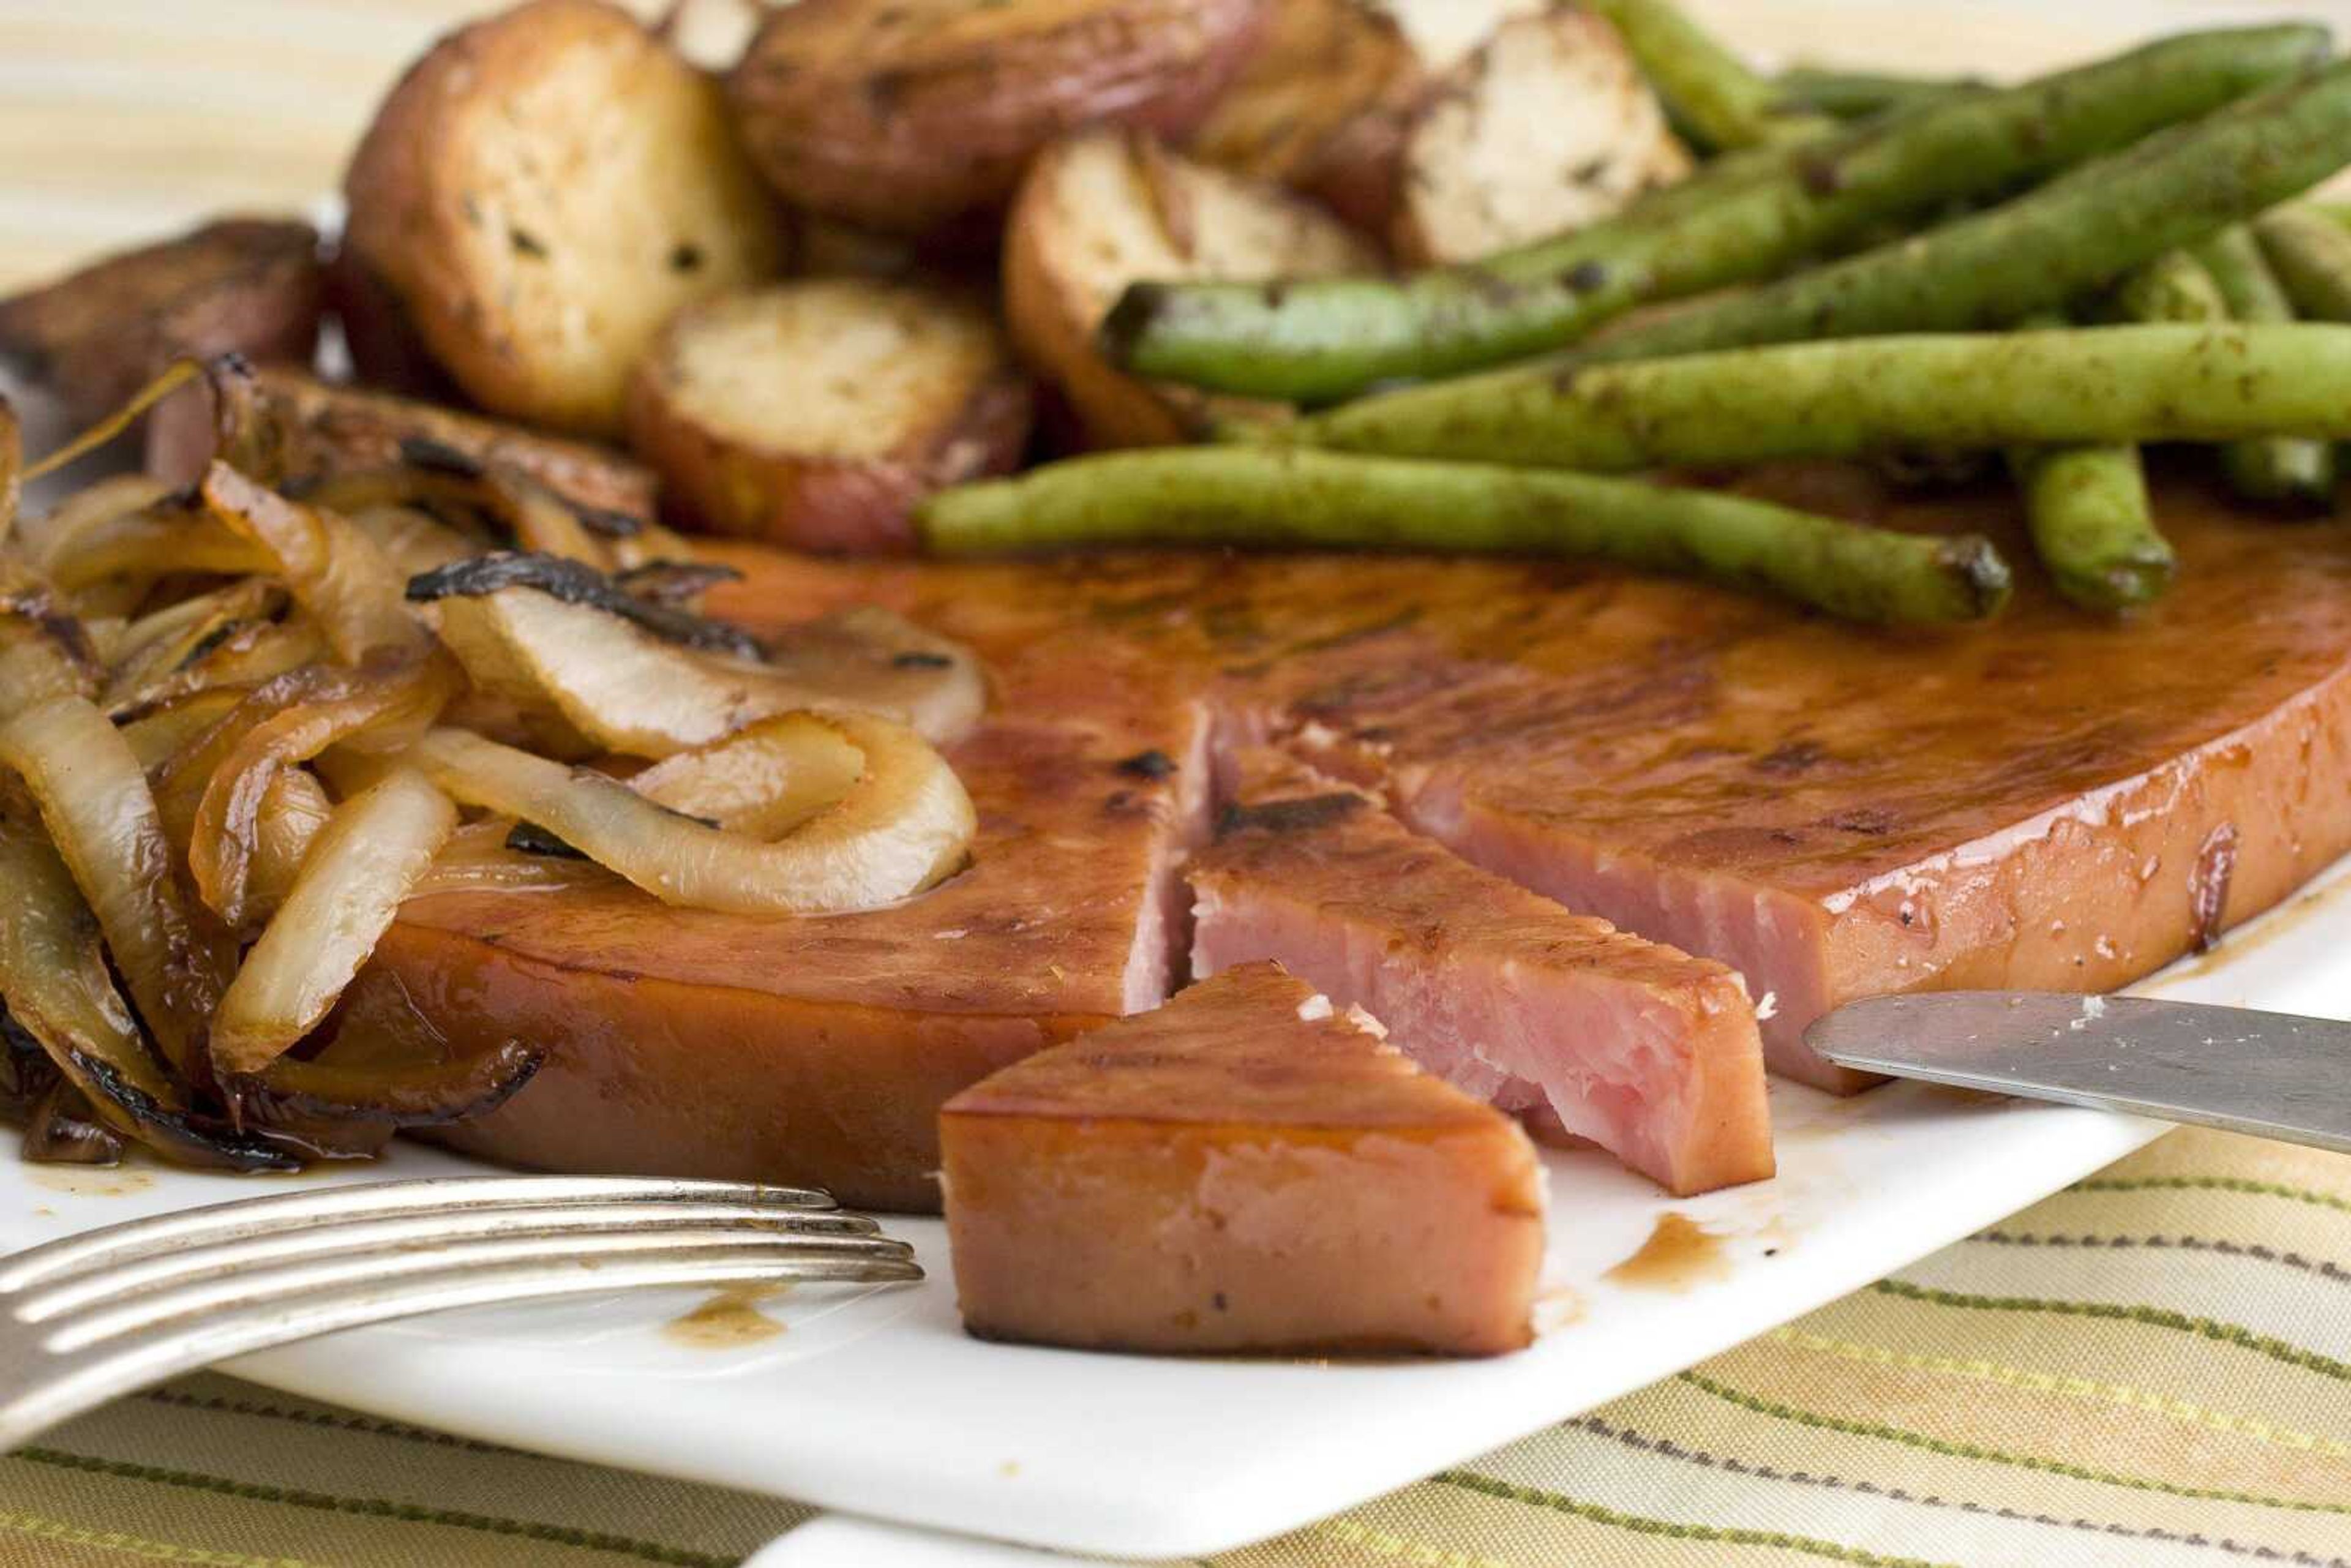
[(1246, 1169), (1643, 1049)]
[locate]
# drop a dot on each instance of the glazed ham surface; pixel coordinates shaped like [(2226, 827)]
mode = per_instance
[(1644, 1050), (1243, 1169), (2050, 801)]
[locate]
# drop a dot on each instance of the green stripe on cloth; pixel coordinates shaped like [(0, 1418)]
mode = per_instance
[(1772, 1408), (2153, 1317), (378, 1508), (1728, 1535)]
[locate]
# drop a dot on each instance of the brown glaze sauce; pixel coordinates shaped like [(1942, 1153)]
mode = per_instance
[(1678, 1254), (90, 1181), (729, 1319)]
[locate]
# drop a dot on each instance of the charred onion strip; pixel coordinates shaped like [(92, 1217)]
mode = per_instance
[(904, 825), (93, 796), (306, 712), (44, 650), (54, 976), (572, 582), (373, 850), (332, 568)]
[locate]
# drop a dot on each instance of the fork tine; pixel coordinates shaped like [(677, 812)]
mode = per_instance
[(581, 1222), (78, 1381), (247, 1217), (63, 1328)]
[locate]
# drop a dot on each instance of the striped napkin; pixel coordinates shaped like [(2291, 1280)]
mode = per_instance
[(2151, 1368)]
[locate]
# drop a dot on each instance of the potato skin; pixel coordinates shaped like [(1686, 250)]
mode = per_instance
[(1054, 310), (787, 489), (540, 191), (918, 118), (247, 285)]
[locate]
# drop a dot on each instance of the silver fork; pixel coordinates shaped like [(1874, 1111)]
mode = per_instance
[(91, 1317)]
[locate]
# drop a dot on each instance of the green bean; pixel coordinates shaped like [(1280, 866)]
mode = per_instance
[(1857, 95), (2279, 469), (1860, 396), (1268, 498), (1746, 216), (1706, 88), (2311, 256), (2049, 247), (2087, 506)]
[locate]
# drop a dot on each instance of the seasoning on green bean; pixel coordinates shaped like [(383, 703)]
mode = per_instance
[(2311, 257), (2280, 470), (1854, 397), (2087, 508), (1256, 497), (1742, 217)]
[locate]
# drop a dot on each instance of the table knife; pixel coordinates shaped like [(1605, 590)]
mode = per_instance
[(2275, 1075)]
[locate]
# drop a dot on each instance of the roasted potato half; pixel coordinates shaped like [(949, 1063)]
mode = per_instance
[(539, 194), (247, 285), (1107, 208), (1547, 125), (320, 430), (816, 414), (908, 117)]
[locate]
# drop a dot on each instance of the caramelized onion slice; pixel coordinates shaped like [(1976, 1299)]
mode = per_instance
[(117, 495), (54, 975), (294, 809), (93, 797), (878, 660), (586, 681), (477, 860), (763, 780), (44, 650), (334, 571), (375, 848), (286, 722), (151, 543), (245, 659), (179, 634), (411, 539), (158, 733), (906, 824)]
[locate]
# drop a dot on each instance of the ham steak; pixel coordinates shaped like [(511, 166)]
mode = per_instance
[(1243, 1169), (1648, 1052), (2053, 800)]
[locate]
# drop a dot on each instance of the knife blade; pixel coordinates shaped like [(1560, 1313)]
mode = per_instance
[(2275, 1075)]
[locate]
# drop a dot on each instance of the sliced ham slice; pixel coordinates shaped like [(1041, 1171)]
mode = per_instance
[(1243, 1169), (1644, 1050)]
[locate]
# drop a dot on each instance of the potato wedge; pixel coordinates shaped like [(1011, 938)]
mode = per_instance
[(1549, 125), (1320, 105), (540, 193), (320, 430), (817, 413), (1105, 208), (906, 117), (247, 286)]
